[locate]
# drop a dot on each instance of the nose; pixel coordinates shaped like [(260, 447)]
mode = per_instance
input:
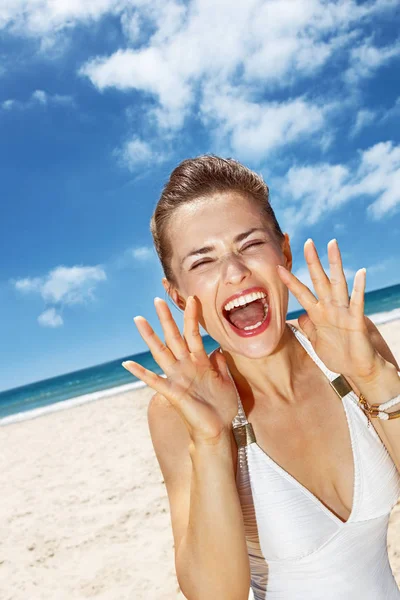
[(235, 270)]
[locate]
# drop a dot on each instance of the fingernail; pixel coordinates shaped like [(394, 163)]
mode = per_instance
[(124, 364), (309, 240)]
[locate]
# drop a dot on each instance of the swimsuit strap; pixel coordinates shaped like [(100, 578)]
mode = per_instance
[(305, 342), (243, 430), (337, 381)]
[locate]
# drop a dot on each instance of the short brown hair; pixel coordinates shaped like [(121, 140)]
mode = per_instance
[(201, 177)]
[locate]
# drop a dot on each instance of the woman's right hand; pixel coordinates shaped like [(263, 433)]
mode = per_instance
[(198, 386)]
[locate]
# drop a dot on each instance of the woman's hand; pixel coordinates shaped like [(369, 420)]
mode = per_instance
[(199, 387), (335, 323)]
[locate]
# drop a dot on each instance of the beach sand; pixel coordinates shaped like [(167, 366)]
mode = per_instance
[(84, 511)]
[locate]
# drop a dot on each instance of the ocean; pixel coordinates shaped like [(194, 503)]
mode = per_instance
[(108, 379)]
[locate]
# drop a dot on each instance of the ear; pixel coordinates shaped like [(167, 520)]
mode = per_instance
[(287, 252), (173, 294)]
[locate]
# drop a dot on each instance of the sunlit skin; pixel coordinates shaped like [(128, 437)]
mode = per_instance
[(272, 372), (223, 245), (265, 360)]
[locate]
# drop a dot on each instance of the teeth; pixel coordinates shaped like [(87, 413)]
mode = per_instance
[(246, 299), (253, 326)]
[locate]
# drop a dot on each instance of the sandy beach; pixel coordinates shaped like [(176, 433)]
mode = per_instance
[(84, 511)]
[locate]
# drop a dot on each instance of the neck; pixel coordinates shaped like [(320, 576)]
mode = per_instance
[(272, 378)]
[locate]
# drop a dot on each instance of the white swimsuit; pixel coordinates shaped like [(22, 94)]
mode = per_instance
[(298, 548)]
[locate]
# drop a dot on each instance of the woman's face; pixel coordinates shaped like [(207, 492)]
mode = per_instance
[(224, 252)]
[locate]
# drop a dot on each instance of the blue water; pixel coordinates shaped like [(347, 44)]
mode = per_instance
[(99, 381)]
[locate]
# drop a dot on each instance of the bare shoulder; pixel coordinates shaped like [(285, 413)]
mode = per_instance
[(171, 441)]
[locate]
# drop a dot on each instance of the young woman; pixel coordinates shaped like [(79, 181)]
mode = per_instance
[(279, 470)]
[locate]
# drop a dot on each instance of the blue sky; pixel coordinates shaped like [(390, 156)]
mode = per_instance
[(99, 101)]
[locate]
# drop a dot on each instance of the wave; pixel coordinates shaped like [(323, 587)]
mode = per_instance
[(71, 402), (385, 317)]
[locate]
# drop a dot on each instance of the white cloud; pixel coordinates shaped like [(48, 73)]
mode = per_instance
[(64, 286), (380, 176), (44, 98), (364, 118), (267, 45), (136, 152), (366, 58), (148, 71), (187, 44), (38, 98), (221, 66), (393, 112), (8, 104), (253, 129), (41, 17), (310, 193), (50, 318), (71, 285), (50, 21), (131, 24), (28, 284), (142, 253), (134, 256)]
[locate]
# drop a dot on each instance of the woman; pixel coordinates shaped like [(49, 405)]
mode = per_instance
[(294, 503)]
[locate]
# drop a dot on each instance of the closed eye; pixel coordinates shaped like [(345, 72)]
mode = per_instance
[(203, 262), (252, 244)]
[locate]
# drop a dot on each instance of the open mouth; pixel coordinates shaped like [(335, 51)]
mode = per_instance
[(248, 314)]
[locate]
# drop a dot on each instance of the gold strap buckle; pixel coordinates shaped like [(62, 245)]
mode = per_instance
[(244, 435), (341, 386)]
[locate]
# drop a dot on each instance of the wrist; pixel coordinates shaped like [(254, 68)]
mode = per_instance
[(374, 375), (221, 450), (382, 386), (216, 442)]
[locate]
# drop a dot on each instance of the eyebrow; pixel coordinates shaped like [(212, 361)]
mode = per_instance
[(207, 249)]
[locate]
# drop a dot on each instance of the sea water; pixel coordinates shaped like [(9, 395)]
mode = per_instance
[(108, 379)]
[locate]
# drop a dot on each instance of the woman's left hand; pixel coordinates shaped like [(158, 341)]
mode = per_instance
[(334, 323)]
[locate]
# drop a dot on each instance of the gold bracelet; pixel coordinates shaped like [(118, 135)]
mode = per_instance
[(380, 411), (373, 412)]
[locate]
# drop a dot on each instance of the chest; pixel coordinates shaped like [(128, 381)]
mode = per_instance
[(310, 439), (298, 491)]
